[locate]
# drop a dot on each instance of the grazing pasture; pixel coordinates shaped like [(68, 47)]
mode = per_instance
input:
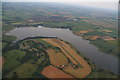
[(24, 71), (12, 59)]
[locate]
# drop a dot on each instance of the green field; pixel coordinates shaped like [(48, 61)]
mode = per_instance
[(31, 58), (6, 41), (26, 61), (12, 59), (24, 71), (102, 74), (8, 38), (109, 47)]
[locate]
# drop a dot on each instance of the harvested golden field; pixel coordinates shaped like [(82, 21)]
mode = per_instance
[(53, 72), (74, 57), (56, 59)]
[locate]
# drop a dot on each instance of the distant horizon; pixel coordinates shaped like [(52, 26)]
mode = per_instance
[(60, 0), (102, 5)]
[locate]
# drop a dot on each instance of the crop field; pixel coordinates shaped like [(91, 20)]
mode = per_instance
[(53, 72), (63, 50), (56, 59), (61, 54), (46, 58), (83, 66), (105, 38), (78, 73)]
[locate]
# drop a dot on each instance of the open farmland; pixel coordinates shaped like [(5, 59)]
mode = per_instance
[(53, 72), (56, 59), (31, 48), (46, 58), (24, 71), (105, 23), (83, 68), (63, 50), (12, 60), (24, 61)]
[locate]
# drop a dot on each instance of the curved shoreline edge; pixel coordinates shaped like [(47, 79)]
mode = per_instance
[(41, 37)]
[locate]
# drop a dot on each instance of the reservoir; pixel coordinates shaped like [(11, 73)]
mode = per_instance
[(102, 60)]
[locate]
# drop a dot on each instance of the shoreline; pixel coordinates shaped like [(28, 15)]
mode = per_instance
[(53, 37)]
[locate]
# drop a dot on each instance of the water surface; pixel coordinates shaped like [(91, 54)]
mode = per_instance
[(102, 60)]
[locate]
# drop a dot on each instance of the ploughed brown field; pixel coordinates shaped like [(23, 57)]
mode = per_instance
[(81, 71), (53, 72)]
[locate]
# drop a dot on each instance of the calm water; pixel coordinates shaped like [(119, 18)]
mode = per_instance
[(101, 59)]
